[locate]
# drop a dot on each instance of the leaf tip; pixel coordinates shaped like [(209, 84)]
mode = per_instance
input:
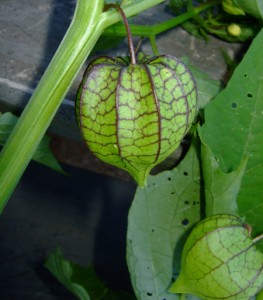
[(179, 287)]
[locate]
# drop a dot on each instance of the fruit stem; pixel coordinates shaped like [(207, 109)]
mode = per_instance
[(128, 30)]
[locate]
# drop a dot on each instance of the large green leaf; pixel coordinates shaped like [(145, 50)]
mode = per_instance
[(159, 220), (233, 130), (43, 154)]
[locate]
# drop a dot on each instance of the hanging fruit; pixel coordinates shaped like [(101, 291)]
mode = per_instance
[(220, 261), (134, 111)]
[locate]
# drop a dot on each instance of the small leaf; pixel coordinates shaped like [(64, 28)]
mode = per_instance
[(81, 282), (42, 154), (159, 219), (231, 8), (221, 189), (252, 7), (7, 123), (220, 261)]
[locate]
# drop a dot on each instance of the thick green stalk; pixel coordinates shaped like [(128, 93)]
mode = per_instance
[(48, 95), (87, 25)]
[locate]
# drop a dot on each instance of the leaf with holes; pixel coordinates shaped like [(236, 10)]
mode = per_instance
[(159, 220), (233, 130)]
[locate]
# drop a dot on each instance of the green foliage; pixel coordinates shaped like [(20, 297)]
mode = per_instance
[(233, 131), (43, 154), (82, 282), (159, 220), (252, 7), (228, 179), (218, 19)]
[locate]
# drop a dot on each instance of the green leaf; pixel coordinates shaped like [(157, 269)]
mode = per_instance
[(160, 217), (233, 130), (7, 123), (43, 153), (260, 295), (252, 7), (231, 8), (81, 282), (221, 189)]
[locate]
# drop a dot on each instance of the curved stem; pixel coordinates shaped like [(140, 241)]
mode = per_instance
[(128, 30)]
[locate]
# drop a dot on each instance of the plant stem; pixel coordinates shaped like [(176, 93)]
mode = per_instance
[(152, 30), (48, 95), (87, 25), (154, 44)]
